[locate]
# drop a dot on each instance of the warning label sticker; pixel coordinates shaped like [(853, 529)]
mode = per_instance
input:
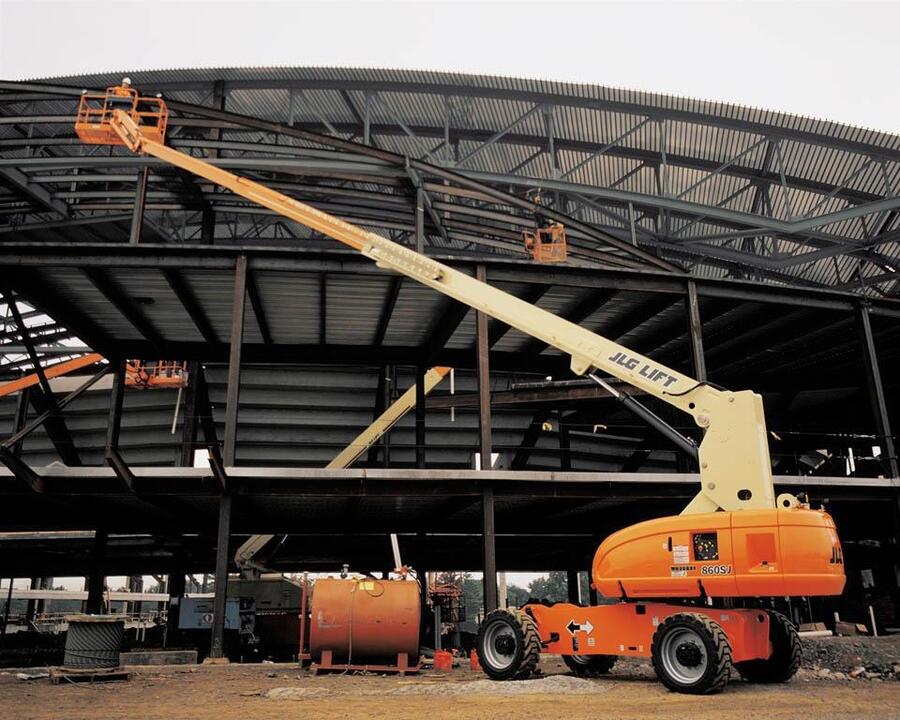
[(681, 554)]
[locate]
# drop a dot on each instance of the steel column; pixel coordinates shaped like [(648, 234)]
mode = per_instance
[(695, 327), (565, 454), (9, 593), (208, 217), (484, 381), (140, 198), (191, 414), (572, 586), (21, 417), (176, 593), (96, 580), (484, 450), (116, 401), (876, 391), (113, 427), (420, 416), (43, 398), (420, 220), (217, 643), (234, 360)]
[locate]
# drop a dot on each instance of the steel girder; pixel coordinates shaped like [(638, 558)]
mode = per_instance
[(793, 242)]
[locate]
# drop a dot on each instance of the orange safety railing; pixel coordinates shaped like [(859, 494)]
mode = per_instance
[(546, 244), (148, 375), (92, 123)]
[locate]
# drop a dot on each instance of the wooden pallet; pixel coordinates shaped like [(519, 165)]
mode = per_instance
[(91, 675), (401, 667)]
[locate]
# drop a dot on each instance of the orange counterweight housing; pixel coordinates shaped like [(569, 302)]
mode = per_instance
[(364, 620), (794, 551)]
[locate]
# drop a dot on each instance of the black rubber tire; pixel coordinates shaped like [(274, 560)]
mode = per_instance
[(784, 661), (718, 652), (589, 665), (527, 645)]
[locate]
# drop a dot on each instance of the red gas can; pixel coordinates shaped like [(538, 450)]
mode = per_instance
[(443, 660), (474, 664)]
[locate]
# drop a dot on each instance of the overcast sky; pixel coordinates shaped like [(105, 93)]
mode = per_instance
[(831, 60)]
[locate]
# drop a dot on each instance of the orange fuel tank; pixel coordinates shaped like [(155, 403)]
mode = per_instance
[(793, 551), (364, 620)]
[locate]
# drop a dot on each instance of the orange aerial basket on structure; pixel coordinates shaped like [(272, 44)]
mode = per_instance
[(149, 375), (546, 244), (95, 111)]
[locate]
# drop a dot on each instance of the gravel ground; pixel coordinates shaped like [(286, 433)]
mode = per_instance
[(551, 684), (842, 658), (630, 692)]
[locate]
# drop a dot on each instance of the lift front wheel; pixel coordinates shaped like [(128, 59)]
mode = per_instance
[(691, 654), (508, 645), (781, 665), (589, 665)]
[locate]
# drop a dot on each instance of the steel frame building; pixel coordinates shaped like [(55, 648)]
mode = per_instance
[(751, 248)]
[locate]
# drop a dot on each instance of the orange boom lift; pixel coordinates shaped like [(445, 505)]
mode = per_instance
[(735, 539)]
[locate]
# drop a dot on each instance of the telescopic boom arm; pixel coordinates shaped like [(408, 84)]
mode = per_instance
[(735, 469)]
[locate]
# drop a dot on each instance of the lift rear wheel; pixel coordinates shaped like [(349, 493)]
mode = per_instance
[(781, 665), (509, 647), (691, 654), (589, 665)]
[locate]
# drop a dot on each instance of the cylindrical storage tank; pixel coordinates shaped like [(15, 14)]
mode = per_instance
[(365, 621), (93, 641)]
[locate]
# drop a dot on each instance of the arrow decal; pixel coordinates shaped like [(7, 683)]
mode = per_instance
[(585, 627)]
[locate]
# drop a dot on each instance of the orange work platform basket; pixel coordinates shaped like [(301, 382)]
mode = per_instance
[(95, 110), (546, 244), (155, 374)]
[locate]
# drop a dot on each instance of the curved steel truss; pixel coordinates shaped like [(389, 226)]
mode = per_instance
[(451, 164)]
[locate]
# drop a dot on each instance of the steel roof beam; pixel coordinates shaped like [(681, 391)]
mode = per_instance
[(387, 310), (36, 193), (693, 209), (403, 162), (582, 308), (43, 398), (519, 94), (191, 304), (26, 256), (616, 149), (259, 311), (29, 285), (124, 303), (449, 318)]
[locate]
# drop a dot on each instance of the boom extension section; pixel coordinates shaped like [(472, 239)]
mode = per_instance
[(733, 422)]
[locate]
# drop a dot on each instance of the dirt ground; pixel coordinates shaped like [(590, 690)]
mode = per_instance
[(241, 692)]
